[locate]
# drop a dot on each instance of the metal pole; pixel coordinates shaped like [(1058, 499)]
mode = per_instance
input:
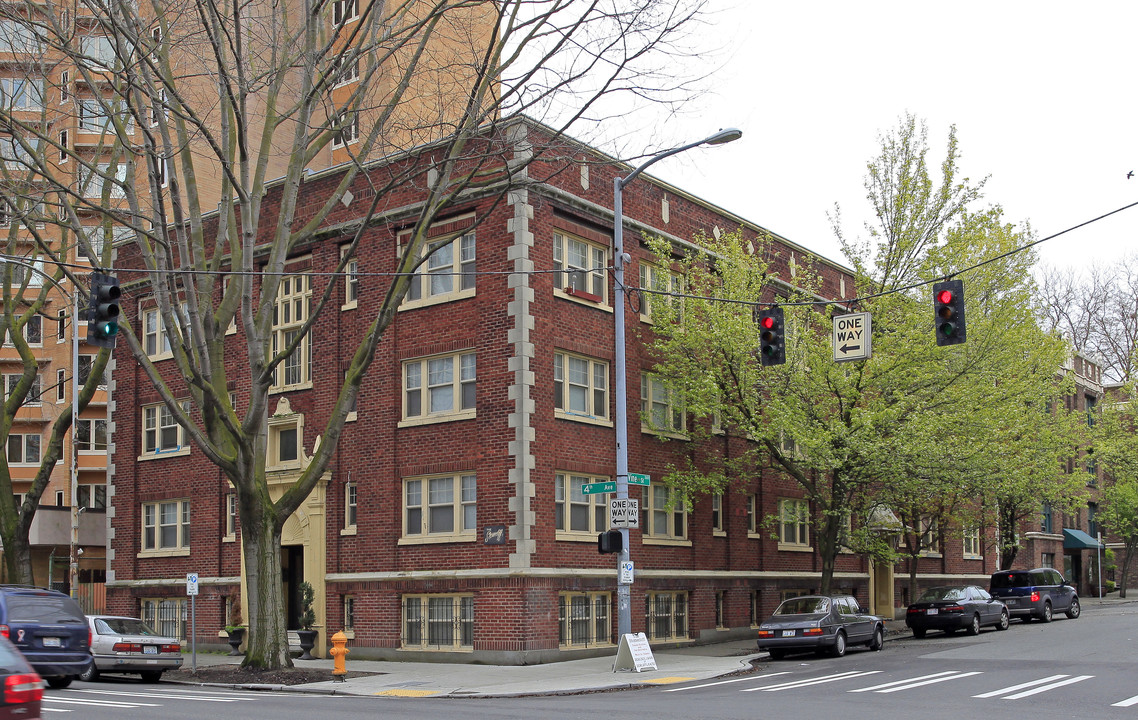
[(73, 576), (1099, 538)]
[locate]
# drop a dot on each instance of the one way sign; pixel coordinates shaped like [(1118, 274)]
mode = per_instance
[(853, 337)]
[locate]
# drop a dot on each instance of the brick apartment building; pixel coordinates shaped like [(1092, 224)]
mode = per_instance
[(452, 523)]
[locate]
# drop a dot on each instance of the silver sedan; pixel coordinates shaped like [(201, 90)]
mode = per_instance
[(128, 645)]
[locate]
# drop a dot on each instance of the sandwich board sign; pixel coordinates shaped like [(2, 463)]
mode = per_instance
[(634, 653)]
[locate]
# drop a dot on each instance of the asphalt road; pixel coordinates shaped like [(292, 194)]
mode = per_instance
[(1068, 668)]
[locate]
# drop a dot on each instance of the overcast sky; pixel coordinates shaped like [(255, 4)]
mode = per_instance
[(1043, 95)]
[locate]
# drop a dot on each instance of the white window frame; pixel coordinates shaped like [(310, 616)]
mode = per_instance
[(581, 269), (970, 543), (351, 282), (24, 93), (567, 383), (24, 443), (657, 401), (99, 50), (279, 428), (663, 524), (425, 619), (93, 190), (290, 312), (34, 398), (157, 418), (91, 446), (86, 362), (348, 133), (345, 11), (230, 517), (654, 277), (717, 521), (344, 73), (351, 508), (448, 274), (929, 536), (794, 524), (584, 619), (753, 516), (426, 376), (426, 499), (158, 520), (92, 497), (568, 497)]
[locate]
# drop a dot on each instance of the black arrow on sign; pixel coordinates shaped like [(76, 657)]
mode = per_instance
[(847, 348)]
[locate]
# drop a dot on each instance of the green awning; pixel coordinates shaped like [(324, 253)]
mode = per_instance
[(1078, 540)]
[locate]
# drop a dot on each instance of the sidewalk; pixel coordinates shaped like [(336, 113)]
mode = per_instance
[(675, 665)]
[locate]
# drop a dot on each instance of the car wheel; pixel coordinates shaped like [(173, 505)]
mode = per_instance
[(919, 633), (151, 676), (91, 674), (59, 681), (974, 626), (839, 645), (1003, 624), (878, 640), (777, 654), (1075, 610), (1046, 616)]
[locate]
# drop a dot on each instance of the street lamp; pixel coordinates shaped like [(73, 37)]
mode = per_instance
[(624, 610)]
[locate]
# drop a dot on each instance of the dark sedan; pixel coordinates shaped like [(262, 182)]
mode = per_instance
[(956, 607), (820, 623)]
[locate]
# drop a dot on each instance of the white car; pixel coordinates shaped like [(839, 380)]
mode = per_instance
[(128, 645)]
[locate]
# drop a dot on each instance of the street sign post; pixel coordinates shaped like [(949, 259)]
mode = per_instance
[(624, 513), (598, 487), (638, 479), (192, 591), (853, 337)]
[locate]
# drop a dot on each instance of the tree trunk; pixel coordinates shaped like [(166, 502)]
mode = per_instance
[(267, 644), (18, 558), (1131, 548)]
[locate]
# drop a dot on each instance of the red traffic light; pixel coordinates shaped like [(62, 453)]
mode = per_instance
[(944, 296), (767, 322)]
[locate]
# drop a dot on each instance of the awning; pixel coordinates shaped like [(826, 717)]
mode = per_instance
[(1078, 540)]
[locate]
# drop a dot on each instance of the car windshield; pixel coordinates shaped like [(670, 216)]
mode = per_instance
[(1011, 580), (122, 626), (44, 608), (942, 593), (804, 606)]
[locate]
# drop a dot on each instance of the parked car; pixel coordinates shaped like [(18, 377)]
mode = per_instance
[(49, 629), (1036, 593), (820, 623), (956, 607), (128, 645), (21, 688)]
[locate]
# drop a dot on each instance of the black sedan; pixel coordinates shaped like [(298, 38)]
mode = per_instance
[(820, 623), (956, 607)]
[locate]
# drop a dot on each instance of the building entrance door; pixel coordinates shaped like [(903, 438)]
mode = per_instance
[(882, 594)]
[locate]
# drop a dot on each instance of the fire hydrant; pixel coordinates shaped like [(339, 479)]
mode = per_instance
[(339, 653)]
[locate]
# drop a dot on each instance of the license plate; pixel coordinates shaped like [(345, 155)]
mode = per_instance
[(788, 633), (933, 611), (1011, 601), (149, 650), (51, 642)]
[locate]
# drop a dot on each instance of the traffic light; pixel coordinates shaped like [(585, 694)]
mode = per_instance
[(948, 304), (610, 541), (772, 343), (103, 310)]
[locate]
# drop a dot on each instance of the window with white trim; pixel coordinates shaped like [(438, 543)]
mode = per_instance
[(92, 181), (351, 506), (351, 281), (289, 314), (447, 274), (166, 525), (32, 331), (656, 278), (929, 535), (347, 126), (98, 51), (667, 515), (230, 516), (32, 398), (752, 515), (972, 542), (86, 362), (577, 515), (581, 268), (438, 622), (440, 387), (666, 615), (344, 70), (92, 497), (161, 433), (793, 523), (21, 93), (60, 385), (584, 619), (660, 410), (344, 11), (29, 270), (442, 508), (24, 449), (717, 514), (580, 387), (91, 435)]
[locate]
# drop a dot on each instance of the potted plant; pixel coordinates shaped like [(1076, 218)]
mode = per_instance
[(236, 631), (307, 618)]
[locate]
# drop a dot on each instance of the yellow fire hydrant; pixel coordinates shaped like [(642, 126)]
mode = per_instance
[(339, 653)]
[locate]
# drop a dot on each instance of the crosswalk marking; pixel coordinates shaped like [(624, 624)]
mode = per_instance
[(1127, 702), (727, 682), (813, 681), (902, 682), (98, 703), (920, 682), (1052, 686), (1021, 686), (172, 695)]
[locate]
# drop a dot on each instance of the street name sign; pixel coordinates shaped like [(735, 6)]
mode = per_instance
[(624, 513), (638, 479), (853, 337), (597, 488)]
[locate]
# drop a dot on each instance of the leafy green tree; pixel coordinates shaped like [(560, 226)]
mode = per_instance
[(1116, 449), (916, 428)]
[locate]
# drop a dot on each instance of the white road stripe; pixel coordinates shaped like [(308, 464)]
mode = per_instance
[(100, 703), (1127, 702), (1052, 686), (163, 696), (725, 682), (903, 682), (47, 710), (816, 681), (910, 686), (1021, 686)]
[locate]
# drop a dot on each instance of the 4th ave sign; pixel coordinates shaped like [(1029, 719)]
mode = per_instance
[(853, 337)]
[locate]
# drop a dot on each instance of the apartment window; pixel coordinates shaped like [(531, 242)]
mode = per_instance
[(33, 396), (30, 270), (95, 117), (448, 273), (91, 435), (24, 449), (230, 515), (161, 433), (167, 616), (752, 515), (166, 525), (440, 387), (61, 326), (350, 504), (289, 315), (580, 387), (349, 612), (284, 444), (86, 362), (575, 511), (98, 51), (438, 622), (32, 332), (666, 519), (720, 610), (344, 10), (440, 508), (15, 155), (17, 37), (661, 281), (666, 615), (92, 181), (1047, 560), (584, 619), (351, 282), (64, 86), (1092, 519), (581, 267), (794, 522), (154, 338), (345, 70), (60, 385), (717, 513), (930, 535), (21, 93), (1046, 524), (92, 497), (660, 409), (63, 144), (347, 126), (972, 542)]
